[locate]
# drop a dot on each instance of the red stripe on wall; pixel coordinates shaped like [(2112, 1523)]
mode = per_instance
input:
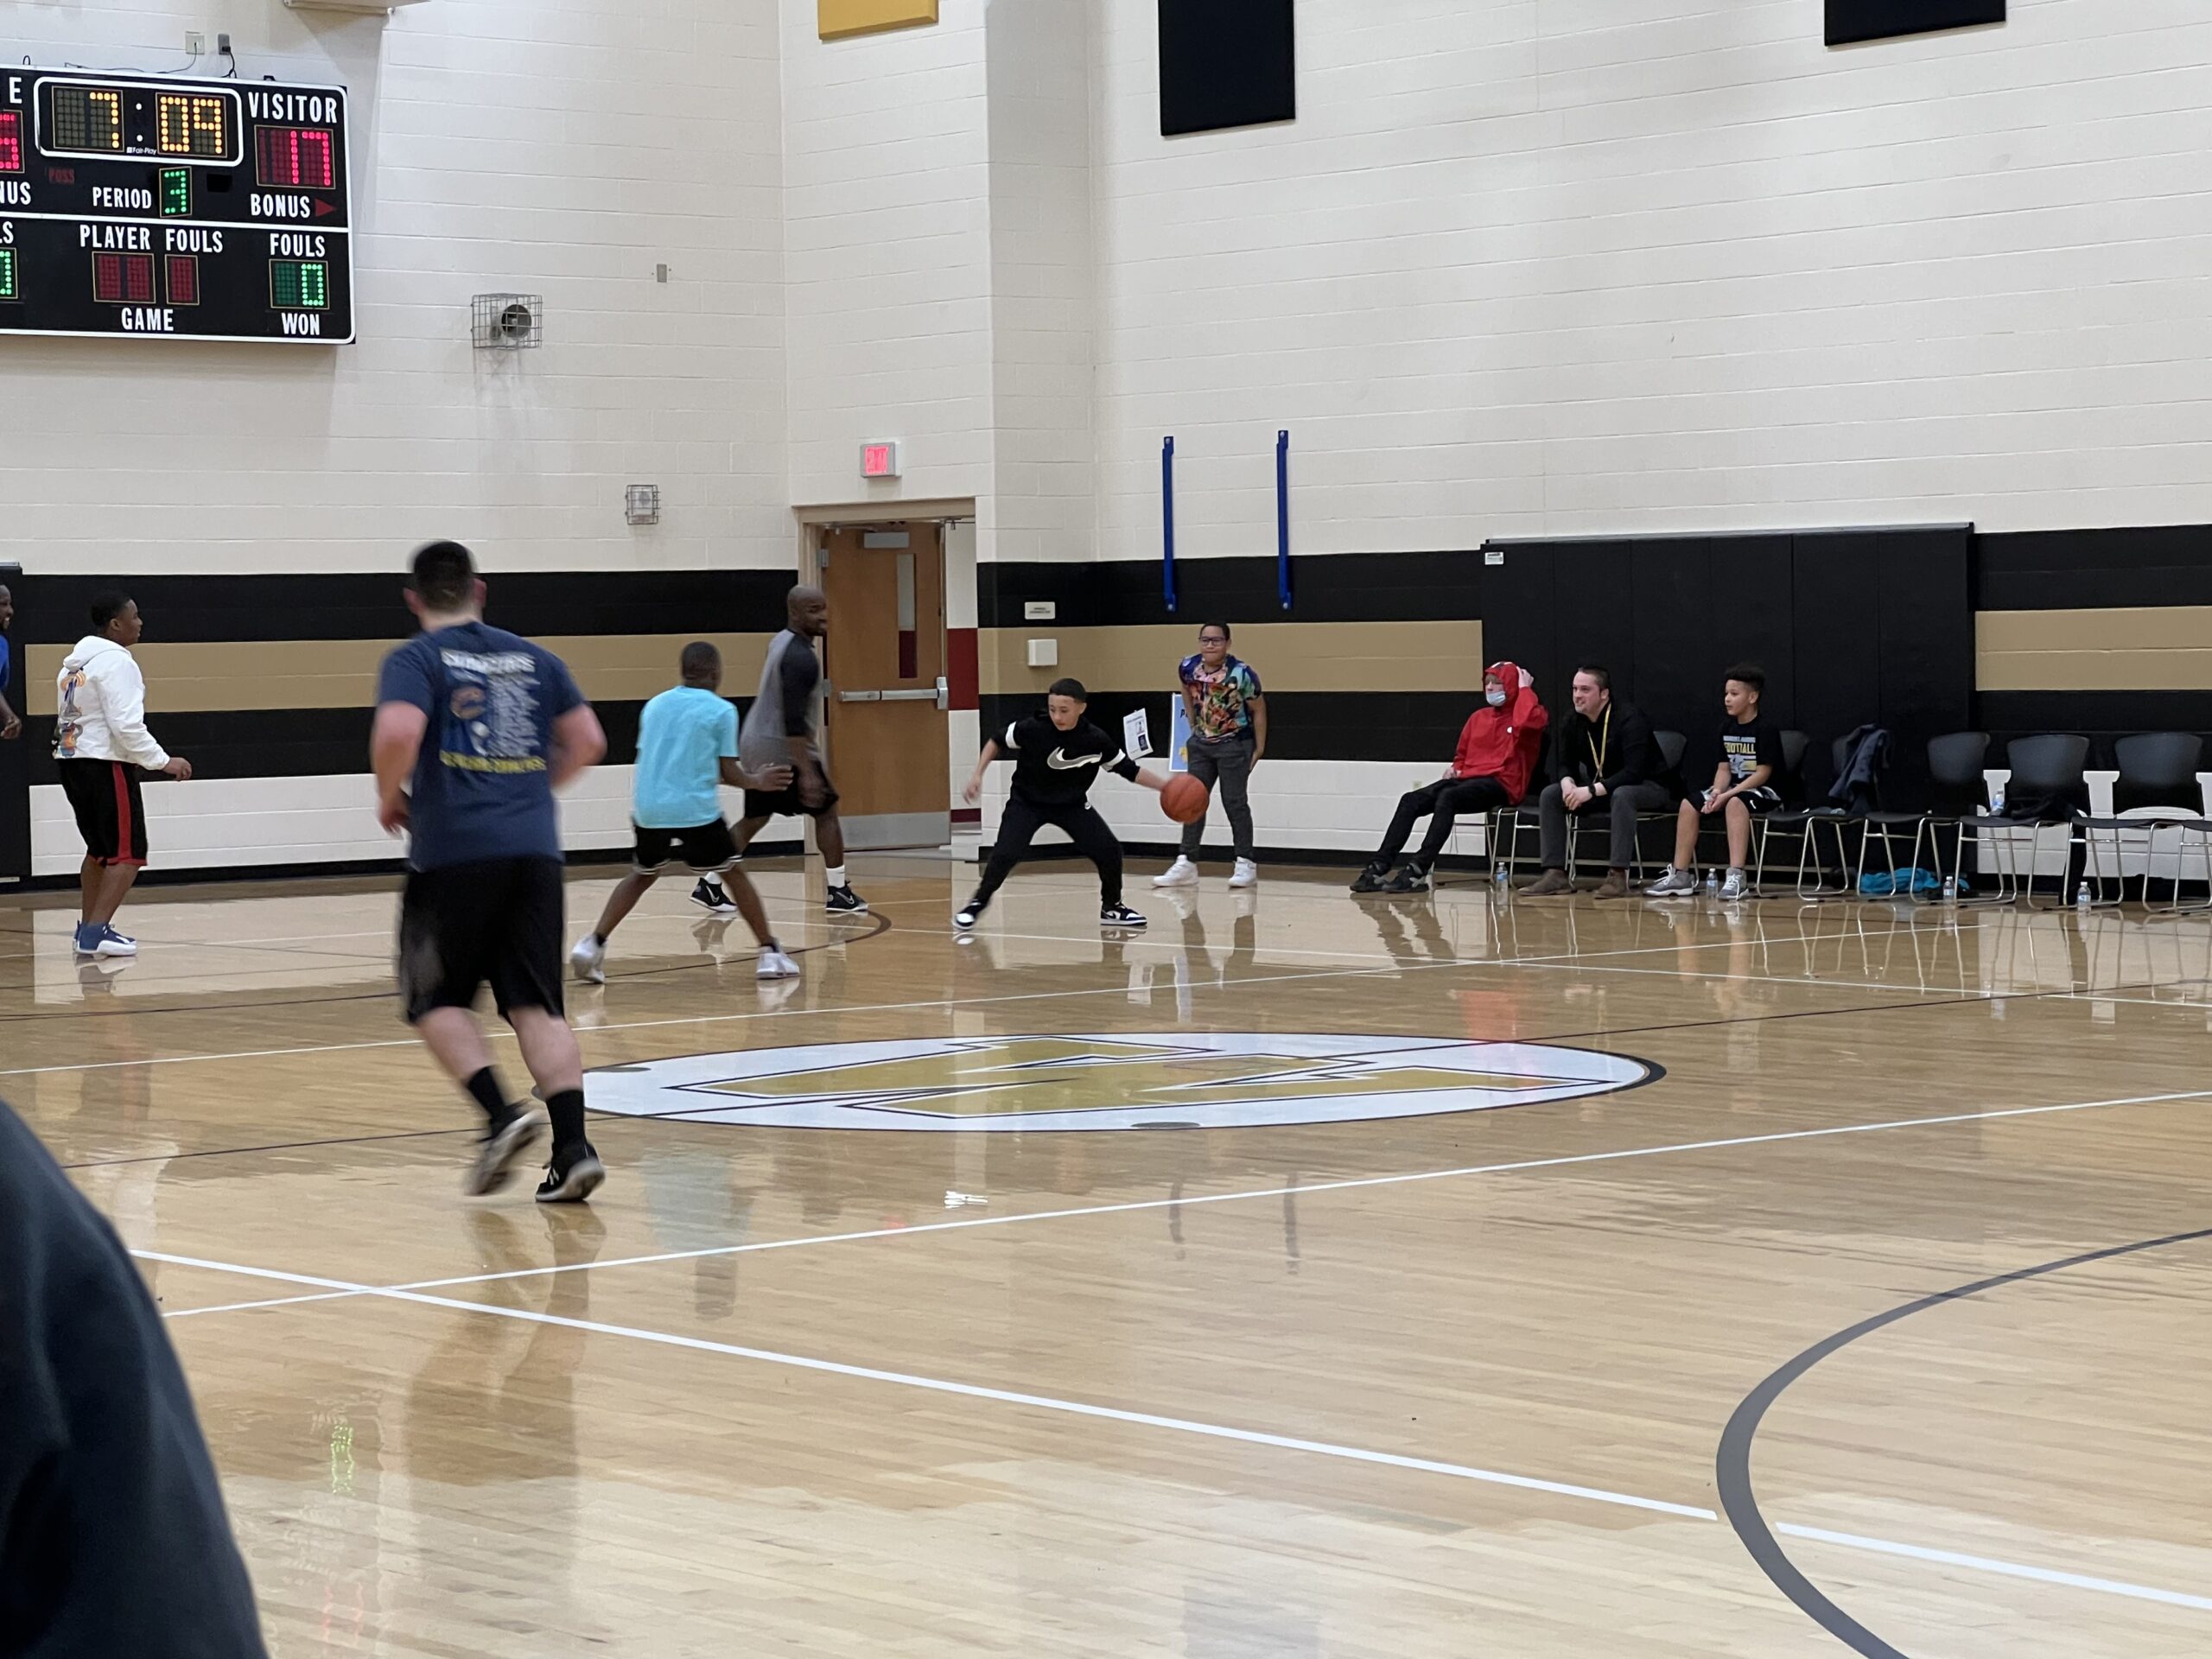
[(963, 674)]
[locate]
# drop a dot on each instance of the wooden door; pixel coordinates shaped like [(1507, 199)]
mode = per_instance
[(885, 658)]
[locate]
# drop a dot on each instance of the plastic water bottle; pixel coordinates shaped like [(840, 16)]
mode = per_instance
[(1712, 878), (1497, 872), (1950, 889), (2082, 896)]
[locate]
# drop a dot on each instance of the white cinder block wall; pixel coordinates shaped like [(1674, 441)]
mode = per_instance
[(563, 149), (1519, 267)]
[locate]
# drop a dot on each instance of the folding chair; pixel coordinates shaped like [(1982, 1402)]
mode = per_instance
[(1806, 821)]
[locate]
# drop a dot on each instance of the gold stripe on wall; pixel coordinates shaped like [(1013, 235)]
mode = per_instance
[(835, 19), (1287, 656), (2125, 648), (342, 673)]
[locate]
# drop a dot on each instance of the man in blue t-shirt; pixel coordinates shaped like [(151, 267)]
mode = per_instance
[(687, 747), (10, 724), (475, 729)]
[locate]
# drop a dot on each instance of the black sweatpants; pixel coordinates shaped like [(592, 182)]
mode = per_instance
[(1441, 802), (1018, 827)]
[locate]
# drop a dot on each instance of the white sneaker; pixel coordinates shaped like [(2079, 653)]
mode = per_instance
[(1734, 888), (588, 959), (967, 916), (1674, 884), (1247, 874), (1181, 874), (775, 965)]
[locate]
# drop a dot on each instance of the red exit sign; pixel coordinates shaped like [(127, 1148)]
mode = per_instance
[(879, 460)]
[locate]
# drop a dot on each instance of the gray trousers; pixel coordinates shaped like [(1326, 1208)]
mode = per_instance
[(1222, 766), (1621, 806)]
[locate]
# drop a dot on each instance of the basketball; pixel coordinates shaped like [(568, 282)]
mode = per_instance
[(1184, 799)]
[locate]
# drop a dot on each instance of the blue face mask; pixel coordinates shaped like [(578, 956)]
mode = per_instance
[(1495, 696)]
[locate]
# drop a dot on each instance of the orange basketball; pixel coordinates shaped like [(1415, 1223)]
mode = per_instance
[(1184, 799)]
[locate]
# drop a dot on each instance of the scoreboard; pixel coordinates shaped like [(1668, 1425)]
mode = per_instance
[(158, 205)]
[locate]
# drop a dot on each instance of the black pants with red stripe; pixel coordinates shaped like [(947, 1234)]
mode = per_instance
[(111, 815)]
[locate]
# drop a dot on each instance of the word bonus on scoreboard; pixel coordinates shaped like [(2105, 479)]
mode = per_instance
[(157, 204)]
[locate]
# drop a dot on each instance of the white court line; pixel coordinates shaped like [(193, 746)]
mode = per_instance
[(2004, 1569), (1134, 1205), (848, 1008), (1175, 1425)]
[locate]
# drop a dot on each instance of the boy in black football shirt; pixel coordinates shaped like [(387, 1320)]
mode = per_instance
[(1743, 783), (1056, 755)]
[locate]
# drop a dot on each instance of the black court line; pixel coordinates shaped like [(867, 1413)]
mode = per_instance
[(1733, 1464)]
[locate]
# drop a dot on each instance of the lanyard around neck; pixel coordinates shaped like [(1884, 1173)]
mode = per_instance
[(1600, 740)]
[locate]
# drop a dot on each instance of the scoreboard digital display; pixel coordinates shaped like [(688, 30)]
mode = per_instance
[(158, 205)]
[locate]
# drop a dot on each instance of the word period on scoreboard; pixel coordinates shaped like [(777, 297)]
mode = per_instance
[(189, 209)]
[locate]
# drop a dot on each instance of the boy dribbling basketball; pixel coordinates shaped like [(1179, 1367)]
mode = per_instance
[(1056, 755)]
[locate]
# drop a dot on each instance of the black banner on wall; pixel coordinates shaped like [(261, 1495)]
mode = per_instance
[(1850, 21), (1226, 63)]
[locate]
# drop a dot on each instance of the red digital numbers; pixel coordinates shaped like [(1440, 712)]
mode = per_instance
[(11, 141), (124, 278), (297, 158), (184, 279)]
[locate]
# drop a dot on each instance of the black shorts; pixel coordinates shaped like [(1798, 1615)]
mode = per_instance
[(706, 848), (494, 922), (1755, 801), (786, 803), (111, 814)]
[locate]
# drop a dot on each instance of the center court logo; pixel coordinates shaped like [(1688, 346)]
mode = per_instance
[(1033, 1085)]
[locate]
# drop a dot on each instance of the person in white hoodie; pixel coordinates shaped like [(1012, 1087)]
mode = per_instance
[(100, 746)]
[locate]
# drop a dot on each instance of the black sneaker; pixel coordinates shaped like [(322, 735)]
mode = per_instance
[(502, 1146), (843, 901), (1410, 878), (711, 896), (1372, 879), (1119, 916), (573, 1176), (967, 915)]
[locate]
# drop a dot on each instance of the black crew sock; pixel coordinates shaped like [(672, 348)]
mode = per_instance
[(491, 1094), (568, 1111)]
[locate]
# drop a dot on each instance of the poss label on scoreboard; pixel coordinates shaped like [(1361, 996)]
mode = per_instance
[(155, 205)]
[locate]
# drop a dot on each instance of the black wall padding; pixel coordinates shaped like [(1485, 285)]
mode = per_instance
[(1226, 63), (1851, 627), (15, 759), (1850, 21)]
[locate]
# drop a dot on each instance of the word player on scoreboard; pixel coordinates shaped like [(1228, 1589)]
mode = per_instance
[(164, 205)]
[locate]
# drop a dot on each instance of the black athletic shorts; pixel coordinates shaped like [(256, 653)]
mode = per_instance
[(111, 815), (495, 922), (786, 803), (707, 848), (1755, 801)]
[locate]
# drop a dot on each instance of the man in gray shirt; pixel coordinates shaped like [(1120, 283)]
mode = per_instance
[(779, 730)]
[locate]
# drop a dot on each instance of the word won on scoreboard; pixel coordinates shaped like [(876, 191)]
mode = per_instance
[(157, 205)]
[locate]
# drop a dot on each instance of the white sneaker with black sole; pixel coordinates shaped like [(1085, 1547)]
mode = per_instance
[(775, 965), (712, 897), (1181, 874), (502, 1146), (574, 1180), (1120, 916), (587, 960)]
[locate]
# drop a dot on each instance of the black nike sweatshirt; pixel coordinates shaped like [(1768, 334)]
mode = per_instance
[(1055, 768)]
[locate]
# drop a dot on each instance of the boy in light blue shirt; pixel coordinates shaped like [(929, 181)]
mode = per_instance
[(687, 748)]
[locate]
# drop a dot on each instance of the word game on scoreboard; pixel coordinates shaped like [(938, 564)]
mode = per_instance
[(157, 205)]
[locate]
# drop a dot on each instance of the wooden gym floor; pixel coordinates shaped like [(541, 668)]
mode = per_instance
[(1661, 1355)]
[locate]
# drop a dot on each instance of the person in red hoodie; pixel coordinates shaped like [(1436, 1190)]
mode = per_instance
[(1497, 750)]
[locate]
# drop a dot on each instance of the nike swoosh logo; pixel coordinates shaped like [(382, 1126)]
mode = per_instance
[(1059, 761)]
